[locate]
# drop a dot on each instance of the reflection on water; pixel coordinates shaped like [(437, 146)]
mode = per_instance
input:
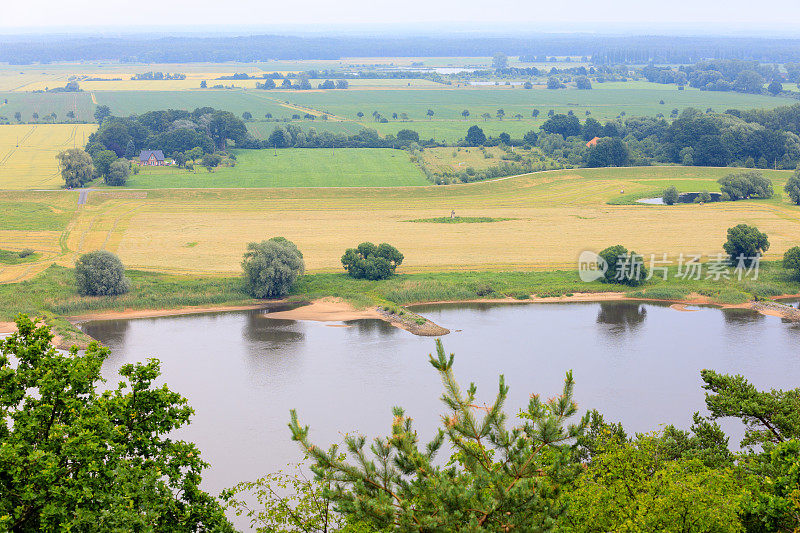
[(621, 316), (242, 372)]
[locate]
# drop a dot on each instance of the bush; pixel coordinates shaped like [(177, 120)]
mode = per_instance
[(791, 259), (100, 273), (745, 242), (271, 267), (793, 188), (118, 173), (670, 195), (368, 261), (742, 185), (25, 252), (623, 267)]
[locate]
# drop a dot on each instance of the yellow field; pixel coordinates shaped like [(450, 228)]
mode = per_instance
[(28, 153), (557, 215)]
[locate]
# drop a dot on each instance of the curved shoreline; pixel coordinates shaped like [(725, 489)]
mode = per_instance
[(338, 310)]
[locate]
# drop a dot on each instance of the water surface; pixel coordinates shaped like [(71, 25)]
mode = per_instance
[(241, 372)]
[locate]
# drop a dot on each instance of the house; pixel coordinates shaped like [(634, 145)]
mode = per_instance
[(154, 158), (593, 142)]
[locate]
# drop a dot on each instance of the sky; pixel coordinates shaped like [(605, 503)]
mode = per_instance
[(766, 17)]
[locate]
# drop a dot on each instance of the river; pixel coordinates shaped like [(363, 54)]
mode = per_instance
[(242, 372)]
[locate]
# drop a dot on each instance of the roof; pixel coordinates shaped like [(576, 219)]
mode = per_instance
[(145, 155), (593, 142)]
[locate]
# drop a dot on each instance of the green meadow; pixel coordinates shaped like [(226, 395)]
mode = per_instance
[(294, 167)]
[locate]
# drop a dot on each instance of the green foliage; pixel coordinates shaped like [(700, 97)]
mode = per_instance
[(769, 417), (624, 267), (368, 261), (14, 258), (791, 259), (100, 273), (638, 486), (792, 187), (744, 185), (76, 167), (475, 136), (271, 267), (497, 479), (286, 502), (745, 243), (73, 458), (608, 152), (102, 160), (118, 173), (670, 195)]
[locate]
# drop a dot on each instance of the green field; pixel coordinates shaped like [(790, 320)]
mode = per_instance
[(263, 129), (294, 167), (45, 103)]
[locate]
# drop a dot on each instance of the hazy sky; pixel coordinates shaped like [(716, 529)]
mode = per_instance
[(723, 16)]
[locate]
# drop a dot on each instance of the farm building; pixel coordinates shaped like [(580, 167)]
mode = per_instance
[(153, 158)]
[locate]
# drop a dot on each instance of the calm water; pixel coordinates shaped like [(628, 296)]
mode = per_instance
[(241, 372)]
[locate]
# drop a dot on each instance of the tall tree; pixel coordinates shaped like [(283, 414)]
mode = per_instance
[(498, 478), (77, 455), (76, 167)]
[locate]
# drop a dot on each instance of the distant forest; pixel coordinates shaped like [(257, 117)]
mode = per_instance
[(600, 48)]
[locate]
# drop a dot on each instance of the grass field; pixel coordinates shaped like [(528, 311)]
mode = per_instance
[(28, 153), (46, 103), (294, 167), (556, 215)]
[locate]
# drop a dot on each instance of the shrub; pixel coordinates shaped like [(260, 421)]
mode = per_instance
[(368, 261), (793, 188), (25, 252), (271, 267), (100, 273), (791, 259), (623, 267), (118, 173), (742, 185), (670, 195), (745, 242)]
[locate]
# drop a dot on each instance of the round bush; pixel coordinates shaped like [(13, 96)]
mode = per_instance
[(100, 273), (368, 261), (271, 267)]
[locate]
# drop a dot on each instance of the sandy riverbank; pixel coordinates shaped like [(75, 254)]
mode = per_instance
[(154, 313), (338, 310), (326, 310)]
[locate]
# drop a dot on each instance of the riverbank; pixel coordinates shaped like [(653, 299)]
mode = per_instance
[(52, 294)]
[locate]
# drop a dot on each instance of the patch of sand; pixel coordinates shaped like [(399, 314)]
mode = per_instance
[(7, 328), (152, 313), (326, 310)]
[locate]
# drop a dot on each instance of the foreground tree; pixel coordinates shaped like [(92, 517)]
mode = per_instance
[(639, 486), (772, 427), (76, 459), (100, 273), (497, 478), (745, 243), (76, 167), (367, 261), (271, 267)]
